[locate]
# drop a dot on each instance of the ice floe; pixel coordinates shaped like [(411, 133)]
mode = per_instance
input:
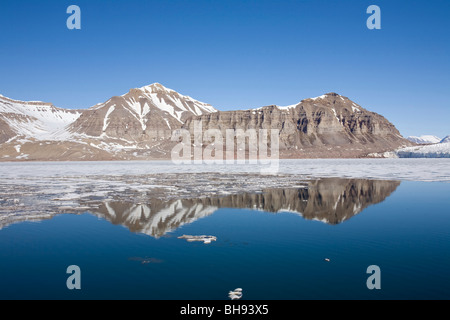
[(204, 238), (236, 294)]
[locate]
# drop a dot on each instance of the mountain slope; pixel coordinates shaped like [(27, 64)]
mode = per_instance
[(143, 114), (33, 119)]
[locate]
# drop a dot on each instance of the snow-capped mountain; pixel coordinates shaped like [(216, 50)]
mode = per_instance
[(425, 139), (146, 113), (33, 119), (139, 125)]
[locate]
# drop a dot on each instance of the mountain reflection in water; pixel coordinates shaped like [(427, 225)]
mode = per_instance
[(331, 200)]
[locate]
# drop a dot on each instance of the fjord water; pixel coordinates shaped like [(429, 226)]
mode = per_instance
[(273, 245)]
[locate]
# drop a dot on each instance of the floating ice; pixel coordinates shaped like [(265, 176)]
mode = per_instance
[(236, 294), (205, 239)]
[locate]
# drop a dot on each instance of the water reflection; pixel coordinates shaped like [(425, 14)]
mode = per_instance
[(330, 200)]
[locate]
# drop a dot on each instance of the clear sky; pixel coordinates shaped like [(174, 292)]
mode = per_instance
[(235, 54)]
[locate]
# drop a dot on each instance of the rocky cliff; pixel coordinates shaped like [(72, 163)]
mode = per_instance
[(327, 126)]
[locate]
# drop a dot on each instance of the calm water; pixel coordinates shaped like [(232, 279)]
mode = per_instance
[(273, 245)]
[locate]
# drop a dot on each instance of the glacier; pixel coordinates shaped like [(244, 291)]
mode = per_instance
[(437, 150)]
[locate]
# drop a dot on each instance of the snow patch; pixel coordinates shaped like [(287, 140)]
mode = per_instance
[(355, 107), (287, 107), (105, 120), (335, 115), (319, 97), (38, 120)]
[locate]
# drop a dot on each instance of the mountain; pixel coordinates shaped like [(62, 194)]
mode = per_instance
[(139, 125), (136, 124), (146, 113), (446, 139), (327, 126), (32, 119), (426, 139)]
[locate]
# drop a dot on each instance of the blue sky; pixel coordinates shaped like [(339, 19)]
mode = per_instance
[(235, 54)]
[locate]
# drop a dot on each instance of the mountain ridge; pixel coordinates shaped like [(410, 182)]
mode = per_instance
[(139, 125), (327, 126), (424, 139)]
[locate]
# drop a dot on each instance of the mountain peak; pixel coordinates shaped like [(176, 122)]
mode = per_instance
[(326, 95), (156, 87)]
